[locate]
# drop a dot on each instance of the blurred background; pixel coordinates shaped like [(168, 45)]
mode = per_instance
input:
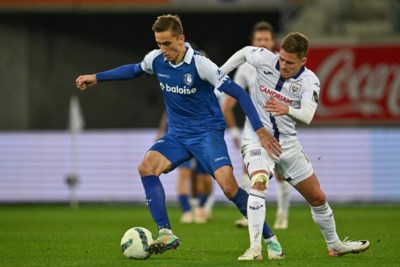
[(52, 135)]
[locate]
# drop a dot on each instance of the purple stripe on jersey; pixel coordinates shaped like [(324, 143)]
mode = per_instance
[(275, 127), (277, 67), (299, 73), (278, 87)]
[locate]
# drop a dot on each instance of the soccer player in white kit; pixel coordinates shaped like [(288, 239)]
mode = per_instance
[(262, 35), (286, 93)]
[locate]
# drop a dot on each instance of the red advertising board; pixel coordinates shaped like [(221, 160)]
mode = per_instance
[(360, 84)]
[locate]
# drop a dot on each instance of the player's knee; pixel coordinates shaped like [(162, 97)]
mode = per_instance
[(318, 199), (229, 189), (145, 169)]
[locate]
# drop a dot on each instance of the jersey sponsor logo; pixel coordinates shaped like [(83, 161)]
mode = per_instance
[(188, 79), (255, 152), (163, 75), (177, 90), (295, 88), (275, 94)]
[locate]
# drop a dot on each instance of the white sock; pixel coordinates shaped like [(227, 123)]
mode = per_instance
[(283, 197), (256, 216), (323, 217)]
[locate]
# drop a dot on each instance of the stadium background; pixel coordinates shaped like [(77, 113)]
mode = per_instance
[(353, 142)]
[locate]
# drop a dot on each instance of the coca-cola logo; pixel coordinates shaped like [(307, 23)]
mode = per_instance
[(362, 91)]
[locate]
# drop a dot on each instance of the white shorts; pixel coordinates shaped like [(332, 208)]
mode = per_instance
[(292, 164)]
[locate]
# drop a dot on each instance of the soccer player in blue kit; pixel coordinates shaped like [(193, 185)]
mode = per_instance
[(195, 123)]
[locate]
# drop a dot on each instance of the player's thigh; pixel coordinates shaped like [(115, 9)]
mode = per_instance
[(175, 152), (257, 159), (210, 151), (293, 164)]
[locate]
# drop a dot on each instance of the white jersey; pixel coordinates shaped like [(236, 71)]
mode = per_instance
[(302, 89)]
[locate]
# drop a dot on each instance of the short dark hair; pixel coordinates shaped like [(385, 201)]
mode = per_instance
[(262, 26), (297, 43), (168, 23)]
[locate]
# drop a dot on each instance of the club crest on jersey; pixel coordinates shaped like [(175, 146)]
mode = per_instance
[(188, 79), (295, 88), (255, 152)]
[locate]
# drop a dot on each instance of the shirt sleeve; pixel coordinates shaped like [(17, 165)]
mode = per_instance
[(147, 63), (251, 54), (309, 103), (210, 72), (240, 78)]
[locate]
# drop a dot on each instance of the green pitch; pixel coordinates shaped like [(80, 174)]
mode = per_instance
[(56, 235)]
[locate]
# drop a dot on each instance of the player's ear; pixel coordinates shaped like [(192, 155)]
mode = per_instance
[(303, 60), (181, 39)]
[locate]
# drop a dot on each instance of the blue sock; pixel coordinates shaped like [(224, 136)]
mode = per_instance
[(184, 203), (155, 198), (240, 200), (203, 199)]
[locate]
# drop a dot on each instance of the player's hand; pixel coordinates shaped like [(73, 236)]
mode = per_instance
[(275, 107), (269, 142), (85, 81)]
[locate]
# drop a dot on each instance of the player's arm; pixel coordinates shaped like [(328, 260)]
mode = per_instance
[(302, 115), (235, 60), (209, 71), (125, 72), (266, 139)]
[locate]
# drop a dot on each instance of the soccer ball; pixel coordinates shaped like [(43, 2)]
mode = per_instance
[(135, 243)]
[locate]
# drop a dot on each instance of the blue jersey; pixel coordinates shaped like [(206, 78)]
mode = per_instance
[(188, 90)]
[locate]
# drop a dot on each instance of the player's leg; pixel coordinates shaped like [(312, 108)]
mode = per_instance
[(245, 183), (185, 174), (283, 201), (322, 215), (299, 172), (162, 157), (259, 165), (212, 153)]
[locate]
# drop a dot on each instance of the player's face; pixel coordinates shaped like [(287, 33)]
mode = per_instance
[(263, 39), (172, 47), (290, 64)]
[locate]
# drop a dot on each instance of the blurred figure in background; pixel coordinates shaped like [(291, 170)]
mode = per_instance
[(262, 35)]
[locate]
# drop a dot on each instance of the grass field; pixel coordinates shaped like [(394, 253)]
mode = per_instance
[(56, 235)]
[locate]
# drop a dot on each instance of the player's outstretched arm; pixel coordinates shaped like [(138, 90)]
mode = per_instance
[(85, 81), (124, 72)]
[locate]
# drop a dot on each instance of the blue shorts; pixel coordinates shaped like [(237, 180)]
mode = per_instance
[(194, 165), (208, 148)]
